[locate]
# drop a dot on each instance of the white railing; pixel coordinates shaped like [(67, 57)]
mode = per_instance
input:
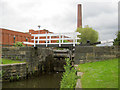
[(108, 41), (49, 37)]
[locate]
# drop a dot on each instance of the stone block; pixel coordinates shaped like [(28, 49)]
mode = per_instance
[(90, 56), (22, 52), (83, 49), (98, 49)]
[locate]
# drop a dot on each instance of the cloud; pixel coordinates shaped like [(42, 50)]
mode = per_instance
[(119, 15), (103, 17), (58, 15), (103, 21), (92, 9)]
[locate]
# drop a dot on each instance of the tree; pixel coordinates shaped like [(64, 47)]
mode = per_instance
[(117, 40), (87, 33)]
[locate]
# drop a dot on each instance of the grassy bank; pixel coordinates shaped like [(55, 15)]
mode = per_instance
[(103, 74), (7, 61)]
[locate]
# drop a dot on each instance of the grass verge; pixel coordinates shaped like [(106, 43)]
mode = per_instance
[(7, 61), (102, 74)]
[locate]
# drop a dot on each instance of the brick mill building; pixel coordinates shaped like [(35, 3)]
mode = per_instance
[(9, 37)]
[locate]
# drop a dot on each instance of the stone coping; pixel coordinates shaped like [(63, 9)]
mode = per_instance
[(12, 64)]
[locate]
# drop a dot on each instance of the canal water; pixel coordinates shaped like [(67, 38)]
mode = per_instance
[(44, 80)]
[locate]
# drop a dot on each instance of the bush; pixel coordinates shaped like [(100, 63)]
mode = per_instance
[(19, 44), (69, 77)]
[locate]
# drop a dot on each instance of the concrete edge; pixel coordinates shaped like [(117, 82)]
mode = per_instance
[(78, 83)]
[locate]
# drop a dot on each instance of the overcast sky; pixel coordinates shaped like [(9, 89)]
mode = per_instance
[(60, 15)]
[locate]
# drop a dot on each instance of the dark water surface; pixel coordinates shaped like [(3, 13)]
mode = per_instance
[(46, 80)]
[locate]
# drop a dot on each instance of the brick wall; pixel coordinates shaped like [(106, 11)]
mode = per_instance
[(31, 31), (8, 36), (79, 16)]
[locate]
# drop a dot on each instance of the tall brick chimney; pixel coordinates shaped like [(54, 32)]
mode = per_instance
[(79, 16)]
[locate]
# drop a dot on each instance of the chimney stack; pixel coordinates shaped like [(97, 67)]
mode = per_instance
[(79, 16)]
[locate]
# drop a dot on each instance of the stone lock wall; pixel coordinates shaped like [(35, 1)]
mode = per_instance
[(59, 64), (14, 71), (33, 57), (42, 59), (37, 59), (85, 54)]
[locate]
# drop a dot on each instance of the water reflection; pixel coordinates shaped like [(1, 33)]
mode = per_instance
[(44, 80)]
